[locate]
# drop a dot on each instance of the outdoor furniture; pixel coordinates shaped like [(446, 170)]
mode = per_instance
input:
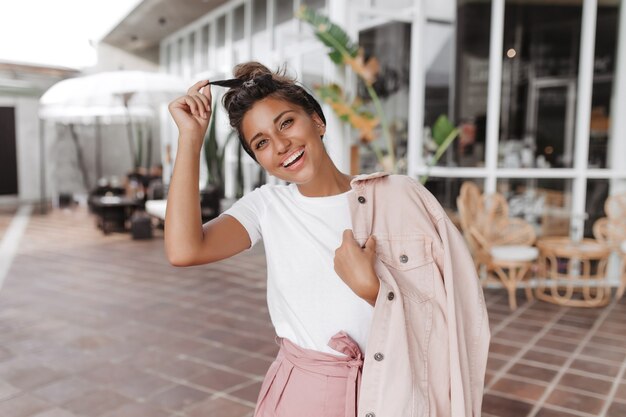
[(505, 250), (112, 212), (470, 205), (555, 217), (612, 233), (575, 272), (615, 207), (501, 246)]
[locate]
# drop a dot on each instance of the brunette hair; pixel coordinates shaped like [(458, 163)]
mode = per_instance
[(256, 82)]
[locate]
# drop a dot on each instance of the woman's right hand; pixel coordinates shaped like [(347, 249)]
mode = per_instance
[(192, 112)]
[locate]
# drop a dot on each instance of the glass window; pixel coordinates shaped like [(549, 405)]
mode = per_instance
[(191, 52), (390, 44), (284, 11), (539, 77), (238, 23), (221, 31), (204, 53), (179, 57), (469, 73), (597, 193), (312, 71), (543, 202), (446, 190), (259, 15), (603, 74), (169, 58), (314, 4)]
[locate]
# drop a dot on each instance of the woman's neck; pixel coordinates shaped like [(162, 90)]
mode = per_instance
[(328, 182)]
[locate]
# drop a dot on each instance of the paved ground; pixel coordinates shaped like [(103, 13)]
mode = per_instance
[(102, 326)]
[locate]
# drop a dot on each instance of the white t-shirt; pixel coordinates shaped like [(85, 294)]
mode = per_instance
[(308, 302)]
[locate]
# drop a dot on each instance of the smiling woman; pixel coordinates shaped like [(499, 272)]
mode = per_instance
[(323, 277)]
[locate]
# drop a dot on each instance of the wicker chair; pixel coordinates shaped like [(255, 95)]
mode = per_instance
[(501, 246), (612, 233)]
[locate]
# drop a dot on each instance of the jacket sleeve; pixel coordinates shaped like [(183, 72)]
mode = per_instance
[(468, 325)]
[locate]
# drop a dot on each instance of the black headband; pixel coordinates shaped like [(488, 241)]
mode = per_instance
[(264, 80), (267, 81)]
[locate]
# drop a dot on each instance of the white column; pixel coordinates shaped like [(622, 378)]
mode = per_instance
[(583, 116), (338, 136), (494, 94), (417, 86), (617, 135)]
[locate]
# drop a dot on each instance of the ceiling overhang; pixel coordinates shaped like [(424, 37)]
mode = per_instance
[(141, 31)]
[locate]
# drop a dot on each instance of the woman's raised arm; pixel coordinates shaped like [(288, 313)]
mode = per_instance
[(187, 241)]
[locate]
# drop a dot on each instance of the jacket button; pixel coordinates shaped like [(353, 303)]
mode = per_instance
[(404, 259), (379, 356), (390, 296), (370, 415), (361, 199)]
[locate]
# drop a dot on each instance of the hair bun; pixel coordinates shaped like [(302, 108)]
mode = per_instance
[(250, 70)]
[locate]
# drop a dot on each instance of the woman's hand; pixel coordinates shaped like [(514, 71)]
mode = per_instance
[(355, 266), (192, 112)]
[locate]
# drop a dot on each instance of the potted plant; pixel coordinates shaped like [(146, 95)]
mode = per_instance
[(212, 196)]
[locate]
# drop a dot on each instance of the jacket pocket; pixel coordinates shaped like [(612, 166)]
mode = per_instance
[(410, 261)]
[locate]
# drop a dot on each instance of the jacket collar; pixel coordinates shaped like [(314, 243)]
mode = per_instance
[(356, 181)]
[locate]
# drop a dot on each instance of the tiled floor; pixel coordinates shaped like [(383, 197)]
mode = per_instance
[(95, 326)]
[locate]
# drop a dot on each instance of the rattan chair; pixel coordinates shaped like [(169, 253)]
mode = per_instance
[(506, 252), (612, 233), (501, 246)]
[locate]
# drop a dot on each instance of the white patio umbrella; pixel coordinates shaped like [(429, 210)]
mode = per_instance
[(122, 92), (111, 89)]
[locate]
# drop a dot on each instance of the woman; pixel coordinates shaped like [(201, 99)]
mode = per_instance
[(330, 293)]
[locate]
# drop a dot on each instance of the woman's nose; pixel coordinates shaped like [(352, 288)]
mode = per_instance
[(282, 143)]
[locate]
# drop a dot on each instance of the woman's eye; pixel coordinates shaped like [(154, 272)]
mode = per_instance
[(286, 123), (258, 144)]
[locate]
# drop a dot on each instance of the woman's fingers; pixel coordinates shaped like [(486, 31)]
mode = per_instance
[(206, 102), (201, 107), (193, 105), (196, 87), (202, 91), (206, 92)]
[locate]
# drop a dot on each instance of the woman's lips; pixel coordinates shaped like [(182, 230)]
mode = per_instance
[(296, 165)]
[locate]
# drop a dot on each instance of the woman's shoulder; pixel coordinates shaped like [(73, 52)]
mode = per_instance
[(269, 192)]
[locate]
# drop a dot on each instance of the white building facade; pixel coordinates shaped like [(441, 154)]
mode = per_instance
[(535, 85)]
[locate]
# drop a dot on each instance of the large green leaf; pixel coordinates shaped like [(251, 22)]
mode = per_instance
[(331, 35), (211, 151), (442, 129)]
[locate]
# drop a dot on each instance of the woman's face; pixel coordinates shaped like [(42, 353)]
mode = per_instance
[(278, 131)]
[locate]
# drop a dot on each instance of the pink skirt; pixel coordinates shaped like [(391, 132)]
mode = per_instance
[(303, 382)]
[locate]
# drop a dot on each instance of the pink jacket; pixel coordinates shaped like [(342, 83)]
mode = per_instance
[(427, 350)]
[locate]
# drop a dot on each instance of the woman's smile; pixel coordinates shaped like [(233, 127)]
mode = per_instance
[(296, 160)]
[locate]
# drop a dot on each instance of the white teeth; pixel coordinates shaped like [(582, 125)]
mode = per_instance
[(292, 158)]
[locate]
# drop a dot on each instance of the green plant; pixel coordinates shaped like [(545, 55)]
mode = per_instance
[(443, 133), (139, 148), (214, 157), (344, 52)]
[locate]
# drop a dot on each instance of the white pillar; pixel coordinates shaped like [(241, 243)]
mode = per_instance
[(617, 137), (494, 94), (583, 116), (417, 87), (338, 134)]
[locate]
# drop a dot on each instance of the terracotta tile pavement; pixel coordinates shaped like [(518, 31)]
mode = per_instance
[(103, 326)]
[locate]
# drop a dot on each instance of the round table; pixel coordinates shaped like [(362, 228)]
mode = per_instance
[(575, 272)]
